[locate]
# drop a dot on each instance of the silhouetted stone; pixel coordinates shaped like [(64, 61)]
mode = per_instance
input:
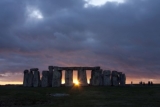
[(69, 77), (45, 79), (106, 77), (119, 78), (114, 78), (25, 78), (101, 80), (30, 79), (82, 77), (140, 82), (144, 83), (50, 77), (36, 79), (54, 75), (123, 80), (96, 77), (56, 79), (151, 83)]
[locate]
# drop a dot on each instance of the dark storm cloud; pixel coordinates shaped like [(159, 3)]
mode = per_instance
[(122, 37)]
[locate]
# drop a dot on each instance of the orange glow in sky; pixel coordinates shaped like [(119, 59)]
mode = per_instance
[(4, 83)]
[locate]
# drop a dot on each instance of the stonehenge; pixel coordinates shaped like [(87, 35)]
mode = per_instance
[(53, 77)]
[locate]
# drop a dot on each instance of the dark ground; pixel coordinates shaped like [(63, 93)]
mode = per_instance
[(128, 96)]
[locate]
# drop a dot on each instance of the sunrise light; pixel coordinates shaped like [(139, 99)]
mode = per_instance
[(76, 82)]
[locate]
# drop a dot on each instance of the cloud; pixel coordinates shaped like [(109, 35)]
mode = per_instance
[(123, 37), (1, 75)]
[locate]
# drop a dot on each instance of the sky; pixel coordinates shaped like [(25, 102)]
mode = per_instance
[(122, 35)]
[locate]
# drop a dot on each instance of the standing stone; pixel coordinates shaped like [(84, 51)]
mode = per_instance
[(45, 79), (30, 79), (50, 75), (69, 77), (101, 79), (82, 77), (119, 78), (25, 78), (57, 76), (36, 78), (114, 78), (106, 77), (123, 79), (96, 77)]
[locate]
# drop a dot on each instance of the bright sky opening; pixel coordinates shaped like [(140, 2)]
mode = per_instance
[(34, 13), (101, 2)]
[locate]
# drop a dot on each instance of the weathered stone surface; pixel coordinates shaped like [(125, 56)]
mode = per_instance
[(57, 76), (114, 78), (25, 78), (30, 79), (69, 77), (106, 77), (82, 77), (50, 75), (45, 79), (34, 69), (36, 79), (96, 77)]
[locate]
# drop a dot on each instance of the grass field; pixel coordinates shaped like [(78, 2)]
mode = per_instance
[(137, 96)]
